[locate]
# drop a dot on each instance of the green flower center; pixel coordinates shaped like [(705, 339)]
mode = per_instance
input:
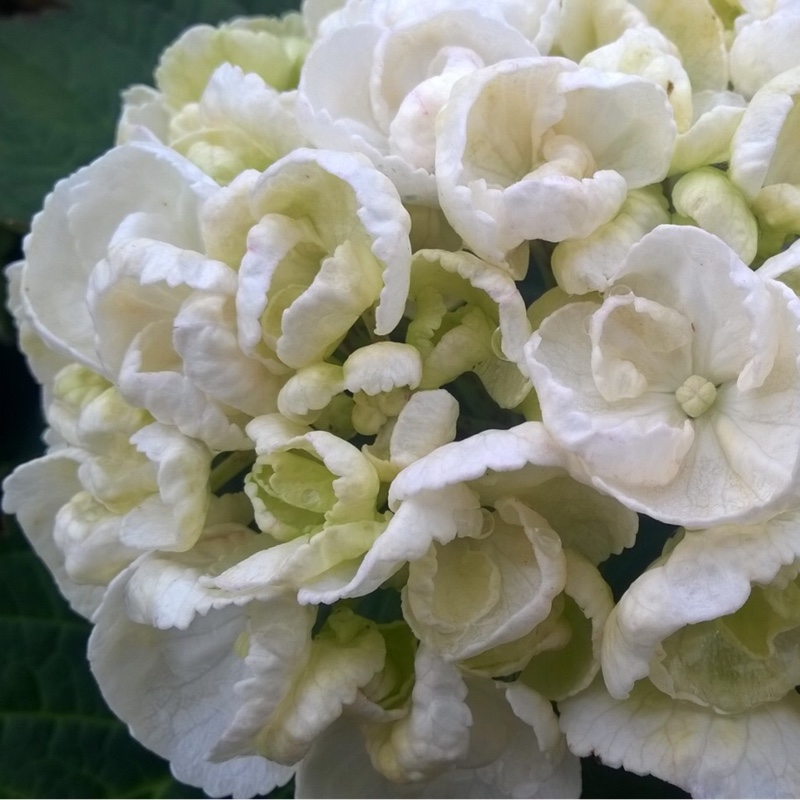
[(696, 395)]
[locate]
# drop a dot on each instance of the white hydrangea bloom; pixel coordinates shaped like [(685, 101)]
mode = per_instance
[(540, 149), (537, 19), (704, 641), (672, 401), (176, 685), (123, 485), (76, 226), (139, 300), (467, 315), (315, 497), (329, 243), (302, 275), (396, 80)]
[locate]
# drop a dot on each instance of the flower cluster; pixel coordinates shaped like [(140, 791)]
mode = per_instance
[(366, 346)]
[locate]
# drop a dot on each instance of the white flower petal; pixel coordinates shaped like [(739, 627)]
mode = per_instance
[(298, 686), (173, 518), (590, 264), (706, 754), (35, 492), (205, 338), (175, 689), (434, 734), (707, 575)]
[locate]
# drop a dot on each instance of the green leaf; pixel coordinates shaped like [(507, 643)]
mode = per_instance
[(63, 71)]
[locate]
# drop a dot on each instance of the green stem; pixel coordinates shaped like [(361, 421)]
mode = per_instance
[(227, 469)]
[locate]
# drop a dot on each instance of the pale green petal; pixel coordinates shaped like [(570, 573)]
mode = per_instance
[(716, 115), (778, 208), (460, 276), (470, 595), (590, 263), (272, 50), (564, 671), (711, 202), (697, 31), (310, 390), (708, 575), (35, 492), (435, 732), (428, 516), (298, 686), (239, 123)]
